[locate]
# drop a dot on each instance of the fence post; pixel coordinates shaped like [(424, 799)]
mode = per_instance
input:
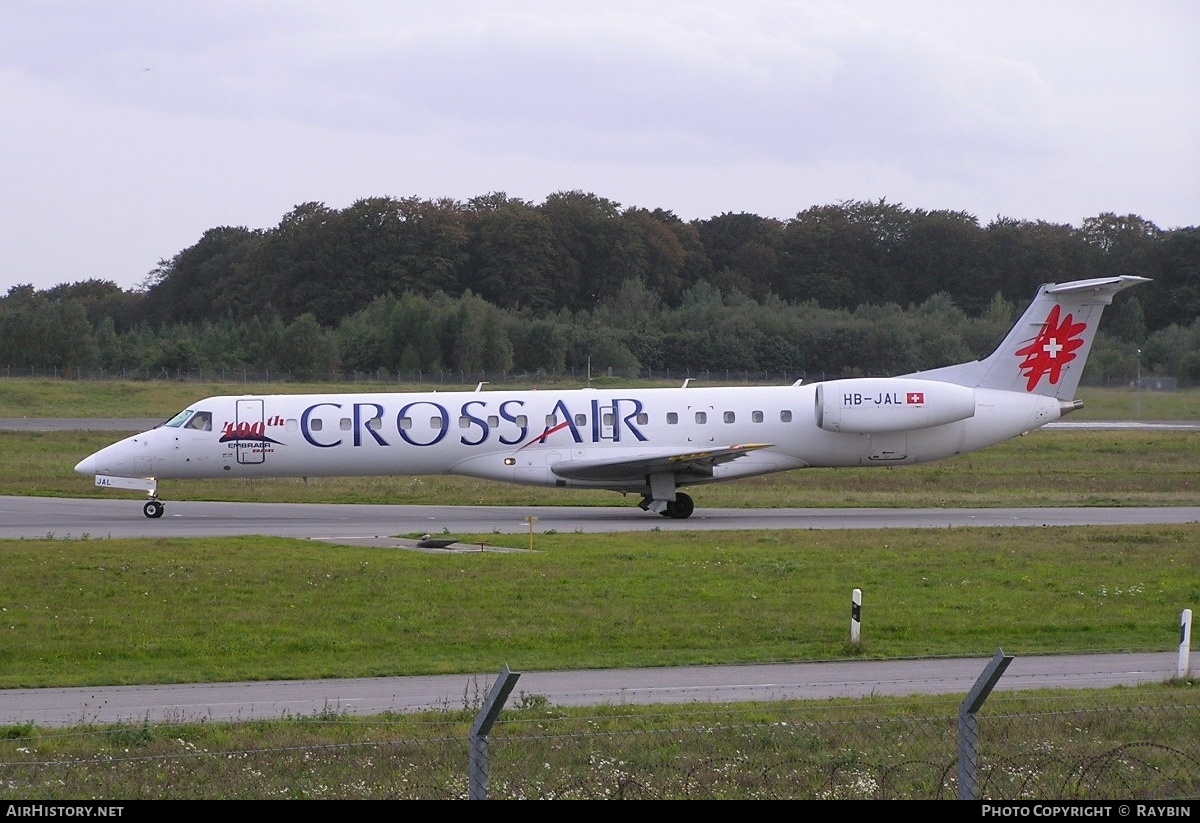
[(480, 762), (968, 726)]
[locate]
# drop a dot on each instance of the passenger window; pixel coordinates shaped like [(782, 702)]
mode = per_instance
[(581, 420), (292, 424), (701, 417), (316, 424), (672, 418), (785, 416), (757, 417), (729, 417), (642, 418), (344, 424)]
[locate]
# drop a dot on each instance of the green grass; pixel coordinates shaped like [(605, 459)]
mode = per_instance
[(45, 397), (134, 611), (106, 611), (1136, 744)]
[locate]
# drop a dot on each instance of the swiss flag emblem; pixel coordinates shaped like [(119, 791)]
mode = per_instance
[(915, 397)]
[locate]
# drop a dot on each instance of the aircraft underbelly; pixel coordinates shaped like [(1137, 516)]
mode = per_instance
[(533, 468)]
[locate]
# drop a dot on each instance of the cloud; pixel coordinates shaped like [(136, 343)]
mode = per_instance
[(141, 124)]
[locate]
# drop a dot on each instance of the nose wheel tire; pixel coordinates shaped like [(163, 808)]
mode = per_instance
[(153, 509)]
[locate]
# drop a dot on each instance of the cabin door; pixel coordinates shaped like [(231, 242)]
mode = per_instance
[(251, 431)]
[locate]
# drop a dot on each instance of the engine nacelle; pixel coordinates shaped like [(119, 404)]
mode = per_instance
[(870, 405)]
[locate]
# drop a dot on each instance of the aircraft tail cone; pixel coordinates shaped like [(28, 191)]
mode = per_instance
[(1065, 407)]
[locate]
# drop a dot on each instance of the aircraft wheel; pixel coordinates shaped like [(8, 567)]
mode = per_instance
[(681, 509), (153, 509)]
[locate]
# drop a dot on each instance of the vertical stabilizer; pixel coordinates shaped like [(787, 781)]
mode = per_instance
[(1046, 350)]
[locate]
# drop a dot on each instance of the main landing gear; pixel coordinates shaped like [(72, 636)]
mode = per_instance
[(680, 508), (154, 508)]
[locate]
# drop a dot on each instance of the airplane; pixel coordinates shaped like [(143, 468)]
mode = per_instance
[(652, 442)]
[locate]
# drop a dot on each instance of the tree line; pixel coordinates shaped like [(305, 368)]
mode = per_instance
[(497, 285)]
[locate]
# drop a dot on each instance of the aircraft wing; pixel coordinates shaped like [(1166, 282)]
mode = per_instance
[(698, 464)]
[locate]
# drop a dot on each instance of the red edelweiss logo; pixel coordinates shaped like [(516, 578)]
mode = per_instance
[(1053, 348)]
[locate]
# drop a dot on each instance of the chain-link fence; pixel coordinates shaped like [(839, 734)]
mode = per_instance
[(1125, 744)]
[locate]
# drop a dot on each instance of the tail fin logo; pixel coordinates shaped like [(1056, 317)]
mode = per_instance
[(1052, 349)]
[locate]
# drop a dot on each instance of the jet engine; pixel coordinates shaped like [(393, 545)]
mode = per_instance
[(871, 405)]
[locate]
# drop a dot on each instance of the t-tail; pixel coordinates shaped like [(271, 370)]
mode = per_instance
[(1046, 350)]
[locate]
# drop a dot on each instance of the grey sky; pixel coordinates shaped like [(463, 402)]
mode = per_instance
[(130, 127)]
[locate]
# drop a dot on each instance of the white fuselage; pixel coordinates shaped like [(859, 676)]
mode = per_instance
[(578, 438), (650, 441)]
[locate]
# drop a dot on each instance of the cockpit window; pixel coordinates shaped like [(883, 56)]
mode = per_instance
[(177, 421), (201, 420)]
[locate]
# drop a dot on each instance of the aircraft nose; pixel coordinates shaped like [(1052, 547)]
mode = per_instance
[(87, 465)]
